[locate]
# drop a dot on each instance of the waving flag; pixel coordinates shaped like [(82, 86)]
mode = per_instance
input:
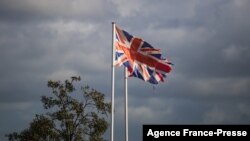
[(140, 58)]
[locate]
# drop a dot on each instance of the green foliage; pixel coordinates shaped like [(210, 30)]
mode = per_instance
[(68, 118)]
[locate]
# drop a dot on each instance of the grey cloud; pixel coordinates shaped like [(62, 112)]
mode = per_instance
[(29, 10)]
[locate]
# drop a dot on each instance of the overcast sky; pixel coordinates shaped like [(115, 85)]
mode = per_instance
[(208, 41)]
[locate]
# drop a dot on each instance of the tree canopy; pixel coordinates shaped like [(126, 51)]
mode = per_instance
[(70, 117)]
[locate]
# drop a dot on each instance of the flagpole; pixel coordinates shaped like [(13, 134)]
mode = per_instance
[(126, 102), (113, 83)]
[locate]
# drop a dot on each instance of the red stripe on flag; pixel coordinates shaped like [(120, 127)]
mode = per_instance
[(163, 67)]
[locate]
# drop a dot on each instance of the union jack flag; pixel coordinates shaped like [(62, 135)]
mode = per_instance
[(140, 58)]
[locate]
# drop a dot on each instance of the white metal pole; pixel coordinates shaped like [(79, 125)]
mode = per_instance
[(126, 102), (113, 84)]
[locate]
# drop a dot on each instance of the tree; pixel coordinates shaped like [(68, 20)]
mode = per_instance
[(68, 118)]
